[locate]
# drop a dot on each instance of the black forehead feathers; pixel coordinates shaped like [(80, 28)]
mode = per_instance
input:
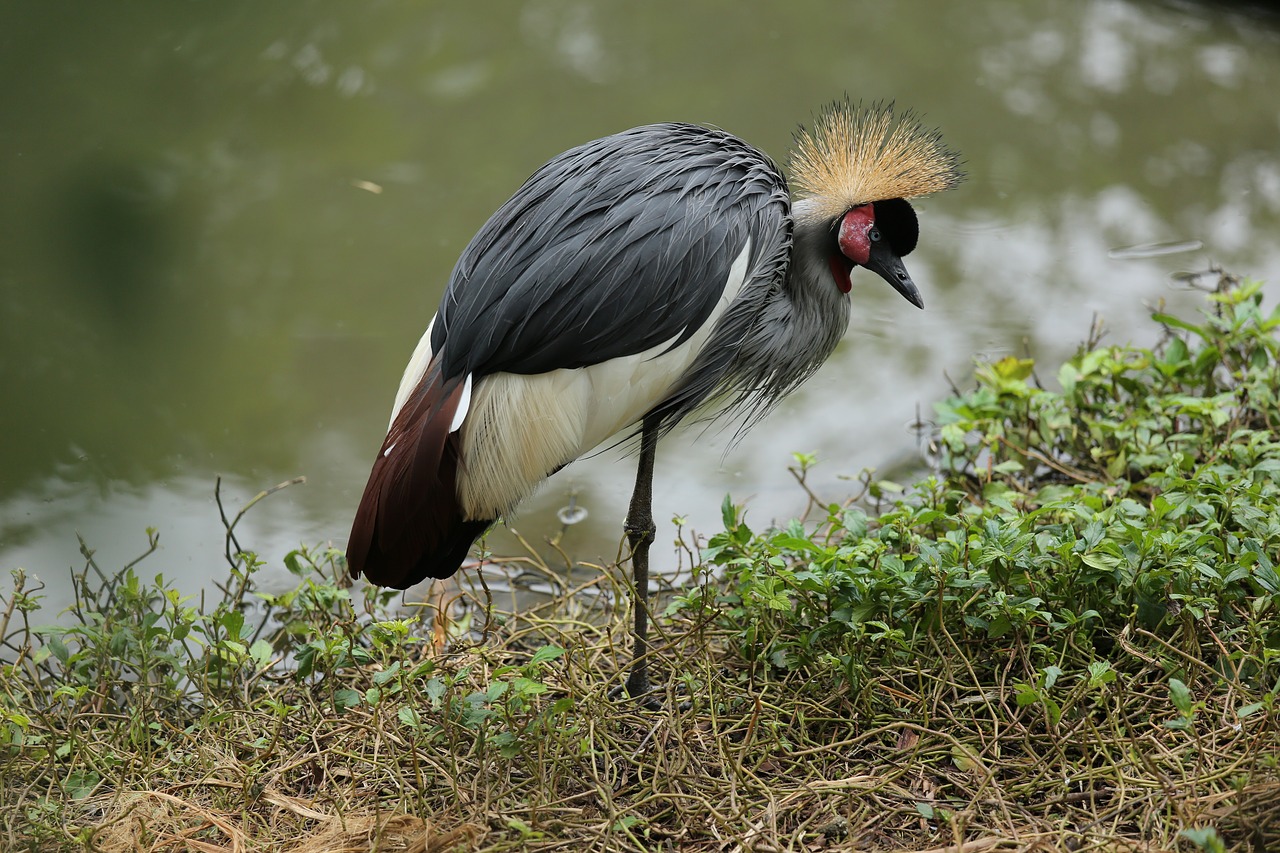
[(897, 222)]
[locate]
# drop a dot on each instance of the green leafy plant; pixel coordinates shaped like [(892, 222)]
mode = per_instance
[(1141, 497)]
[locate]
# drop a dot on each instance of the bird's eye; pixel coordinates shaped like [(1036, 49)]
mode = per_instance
[(874, 235)]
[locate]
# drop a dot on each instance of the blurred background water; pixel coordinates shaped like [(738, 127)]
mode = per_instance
[(224, 226)]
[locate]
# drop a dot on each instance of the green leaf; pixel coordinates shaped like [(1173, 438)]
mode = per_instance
[(884, 487), (261, 653), (1100, 673), (1012, 368), (786, 542), (1054, 709), (546, 653), (435, 690), (521, 686), (1176, 352), (999, 626), (1178, 323), (1068, 377), (306, 661), (293, 562), (1181, 696), (805, 460), (1099, 560), (346, 698), (521, 827), (387, 674), (855, 521), (80, 783), (1206, 838), (59, 649), (1026, 695)]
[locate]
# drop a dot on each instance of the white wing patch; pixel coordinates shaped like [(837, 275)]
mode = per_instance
[(463, 405), (521, 427)]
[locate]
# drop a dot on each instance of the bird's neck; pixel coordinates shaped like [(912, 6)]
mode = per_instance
[(799, 326), (818, 308)]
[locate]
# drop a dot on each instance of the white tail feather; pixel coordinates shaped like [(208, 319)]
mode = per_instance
[(413, 371)]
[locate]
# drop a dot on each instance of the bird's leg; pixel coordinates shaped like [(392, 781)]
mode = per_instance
[(640, 532)]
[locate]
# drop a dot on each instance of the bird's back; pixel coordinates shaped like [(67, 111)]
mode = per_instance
[(611, 248)]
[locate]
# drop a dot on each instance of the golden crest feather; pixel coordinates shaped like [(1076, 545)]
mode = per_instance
[(857, 154)]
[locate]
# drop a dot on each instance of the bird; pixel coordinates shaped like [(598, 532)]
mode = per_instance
[(630, 282)]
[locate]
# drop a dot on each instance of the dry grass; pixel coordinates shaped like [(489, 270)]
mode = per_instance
[(933, 756)]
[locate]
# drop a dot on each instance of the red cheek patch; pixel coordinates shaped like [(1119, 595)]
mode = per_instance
[(854, 243), (840, 270)]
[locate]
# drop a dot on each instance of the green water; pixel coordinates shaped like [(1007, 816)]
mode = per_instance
[(224, 227)]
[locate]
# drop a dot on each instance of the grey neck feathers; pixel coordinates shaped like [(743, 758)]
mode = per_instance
[(800, 325), (787, 319)]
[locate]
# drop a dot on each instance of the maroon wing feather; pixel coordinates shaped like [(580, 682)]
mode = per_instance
[(409, 525)]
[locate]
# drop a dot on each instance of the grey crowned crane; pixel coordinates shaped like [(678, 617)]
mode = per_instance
[(628, 282)]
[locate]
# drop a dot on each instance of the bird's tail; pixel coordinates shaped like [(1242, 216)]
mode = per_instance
[(409, 525)]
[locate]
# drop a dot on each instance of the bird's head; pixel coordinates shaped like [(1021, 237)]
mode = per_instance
[(855, 171)]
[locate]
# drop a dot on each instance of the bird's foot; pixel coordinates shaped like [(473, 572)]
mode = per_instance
[(643, 693), (639, 690)]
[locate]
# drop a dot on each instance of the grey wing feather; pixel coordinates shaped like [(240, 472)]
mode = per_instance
[(615, 247)]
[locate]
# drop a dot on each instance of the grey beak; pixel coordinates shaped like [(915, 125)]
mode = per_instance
[(884, 263)]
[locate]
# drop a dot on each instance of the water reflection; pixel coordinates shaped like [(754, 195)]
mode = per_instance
[(43, 526), (196, 277), (1154, 250)]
